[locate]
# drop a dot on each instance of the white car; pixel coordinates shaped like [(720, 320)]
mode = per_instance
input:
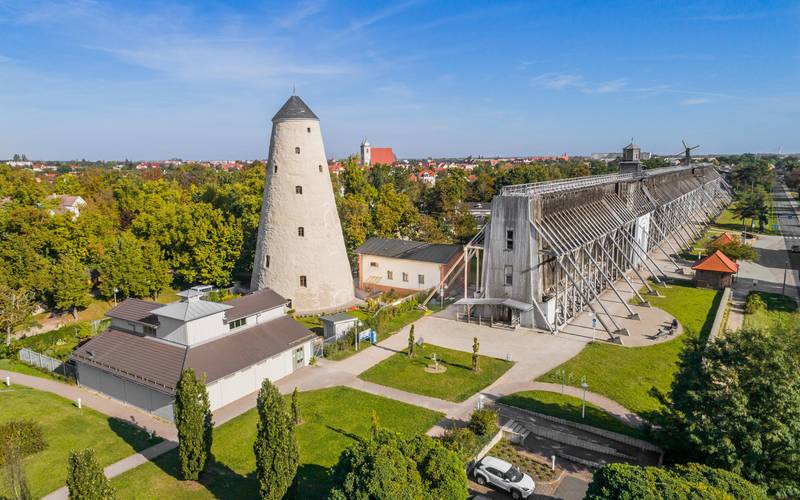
[(491, 470)]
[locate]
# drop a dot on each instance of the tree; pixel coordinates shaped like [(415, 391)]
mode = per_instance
[(295, 408), (475, 347), (629, 482), (483, 422), (19, 439), (71, 286), (195, 427), (16, 305), (753, 204), (375, 424), (411, 343), (735, 249), (735, 404), (275, 448), (85, 478), (134, 267), (655, 162), (387, 465)]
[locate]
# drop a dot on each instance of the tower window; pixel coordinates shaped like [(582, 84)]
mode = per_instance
[(509, 271), (298, 189), (309, 130), (373, 264), (303, 282), (266, 261), (389, 275), (421, 279), (509, 239), (274, 169), (297, 150), (320, 168), (301, 231)]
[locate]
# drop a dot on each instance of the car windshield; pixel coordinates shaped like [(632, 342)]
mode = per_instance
[(514, 475)]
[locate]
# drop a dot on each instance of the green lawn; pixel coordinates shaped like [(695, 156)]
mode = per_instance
[(332, 418), (781, 313), (458, 383), (626, 374), (569, 408), (66, 428), (14, 365)]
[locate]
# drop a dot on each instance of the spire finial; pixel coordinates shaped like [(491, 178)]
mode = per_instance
[(294, 91)]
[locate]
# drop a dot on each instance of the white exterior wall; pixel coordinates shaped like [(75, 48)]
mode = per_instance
[(248, 380), (206, 328), (319, 255), (173, 330), (125, 325), (430, 270)]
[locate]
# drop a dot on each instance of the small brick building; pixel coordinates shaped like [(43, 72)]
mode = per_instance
[(714, 271)]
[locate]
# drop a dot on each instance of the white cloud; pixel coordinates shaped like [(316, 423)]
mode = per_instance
[(560, 81), (4, 59), (694, 101)]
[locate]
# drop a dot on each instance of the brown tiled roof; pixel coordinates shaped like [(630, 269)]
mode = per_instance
[(229, 354), (145, 360), (250, 304), (135, 310)]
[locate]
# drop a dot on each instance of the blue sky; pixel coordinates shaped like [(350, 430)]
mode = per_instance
[(201, 80)]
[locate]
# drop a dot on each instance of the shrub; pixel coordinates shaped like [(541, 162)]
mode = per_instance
[(754, 303), (23, 437), (85, 478), (483, 422), (462, 441)]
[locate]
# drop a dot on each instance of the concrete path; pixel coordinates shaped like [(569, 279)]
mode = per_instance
[(123, 465), (98, 402)]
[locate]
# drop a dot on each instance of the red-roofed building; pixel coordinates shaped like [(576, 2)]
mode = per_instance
[(376, 156), (714, 271), (722, 239)]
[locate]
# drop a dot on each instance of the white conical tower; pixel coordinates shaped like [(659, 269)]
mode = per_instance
[(300, 250)]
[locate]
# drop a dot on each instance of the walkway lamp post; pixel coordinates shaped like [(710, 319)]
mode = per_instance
[(115, 296), (583, 407), (594, 326)]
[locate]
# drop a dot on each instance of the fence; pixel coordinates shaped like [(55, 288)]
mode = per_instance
[(46, 362)]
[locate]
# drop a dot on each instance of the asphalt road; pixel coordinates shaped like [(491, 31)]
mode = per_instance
[(787, 211)]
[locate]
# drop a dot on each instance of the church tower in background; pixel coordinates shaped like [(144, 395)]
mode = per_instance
[(300, 250)]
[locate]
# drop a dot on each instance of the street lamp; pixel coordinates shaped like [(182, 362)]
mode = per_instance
[(583, 407), (594, 325), (115, 296)]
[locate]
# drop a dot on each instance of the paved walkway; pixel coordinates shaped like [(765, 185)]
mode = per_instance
[(95, 401)]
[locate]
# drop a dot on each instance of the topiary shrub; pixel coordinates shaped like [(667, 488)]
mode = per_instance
[(754, 303), (483, 422)]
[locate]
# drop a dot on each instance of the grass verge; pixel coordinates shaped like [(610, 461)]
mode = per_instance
[(332, 420), (66, 428), (626, 374), (458, 383), (569, 408)]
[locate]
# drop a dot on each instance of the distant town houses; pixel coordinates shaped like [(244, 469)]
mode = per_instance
[(67, 204)]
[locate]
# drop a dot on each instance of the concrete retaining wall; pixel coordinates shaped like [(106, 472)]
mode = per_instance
[(614, 436), (718, 325)]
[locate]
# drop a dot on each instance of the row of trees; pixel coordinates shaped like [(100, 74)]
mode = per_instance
[(137, 234)]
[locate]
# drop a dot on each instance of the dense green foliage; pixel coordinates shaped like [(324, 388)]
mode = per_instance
[(193, 420), (22, 437), (85, 478), (483, 422), (275, 447), (630, 482), (736, 249), (736, 405), (387, 465), (754, 204), (137, 232)]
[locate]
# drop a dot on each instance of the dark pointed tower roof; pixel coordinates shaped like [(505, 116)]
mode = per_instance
[(294, 108)]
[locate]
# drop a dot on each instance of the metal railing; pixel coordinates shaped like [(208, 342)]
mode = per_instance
[(545, 187)]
